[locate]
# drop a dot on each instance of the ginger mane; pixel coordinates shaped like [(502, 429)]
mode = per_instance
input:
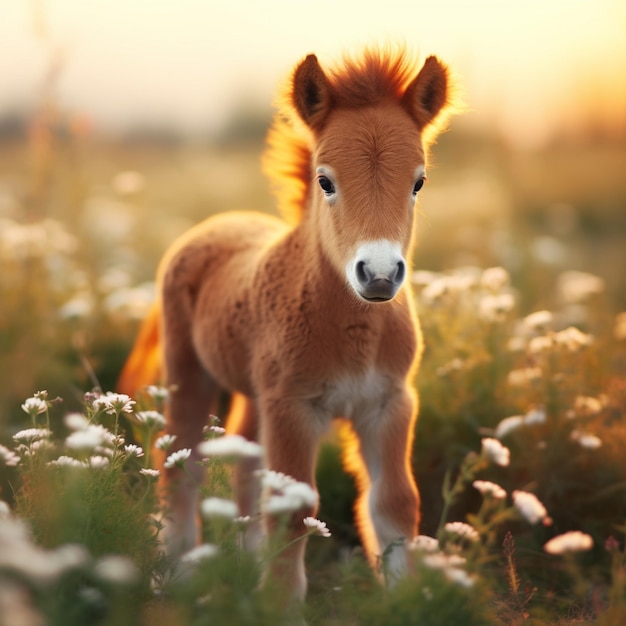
[(377, 75)]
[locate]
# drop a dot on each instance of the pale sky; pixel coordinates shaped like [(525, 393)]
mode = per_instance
[(524, 65)]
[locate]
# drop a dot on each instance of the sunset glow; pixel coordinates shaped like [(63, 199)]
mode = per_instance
[(528, 69)]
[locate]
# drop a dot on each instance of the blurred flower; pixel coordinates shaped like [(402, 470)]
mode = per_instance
[(572, 541), (128, 182), (576, 287), (540, 344), (242, 519), (619, 329), (66, 461), (508, 425), (423, 543), (230, 445), (494, 451), (216, 430), (160, 394), (493, 308), (177, 458), (463, 530), (590, 442), (538, 321), (79, 306), (529, 506), (200, 553), (34, 406), (459, 576), (587, 406), (454, 365), (116, 569), (152, 419), (318, 527), (5, 510), (98, 462), (151, 473), (131, 302), (292, 494), (451, 566), (524, 376), (31, 435), (219, 507), (165, 442), (572, 339), (486, 487), (76, 421), (8, 457), (494, 279), (89, 438)]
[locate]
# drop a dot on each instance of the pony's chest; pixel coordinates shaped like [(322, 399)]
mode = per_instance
[(354, 396)]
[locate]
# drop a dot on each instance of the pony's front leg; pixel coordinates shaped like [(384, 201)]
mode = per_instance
[(388, 504), (289, 434)]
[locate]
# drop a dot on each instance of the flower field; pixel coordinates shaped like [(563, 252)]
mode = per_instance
[(519, 449)]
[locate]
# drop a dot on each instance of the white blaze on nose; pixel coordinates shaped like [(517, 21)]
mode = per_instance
[(380, 259)]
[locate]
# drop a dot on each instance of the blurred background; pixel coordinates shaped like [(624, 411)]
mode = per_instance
[(122, 123)]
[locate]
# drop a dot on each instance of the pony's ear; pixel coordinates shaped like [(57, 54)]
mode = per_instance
[(311, 92), (428, 94)]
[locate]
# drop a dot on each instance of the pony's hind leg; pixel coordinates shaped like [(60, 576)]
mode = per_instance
[(195, 395), (378, 453), (243, 420)]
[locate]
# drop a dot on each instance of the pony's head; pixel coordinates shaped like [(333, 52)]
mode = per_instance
[(360, 160)]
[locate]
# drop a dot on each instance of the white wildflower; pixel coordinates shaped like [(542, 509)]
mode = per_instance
[(493, 308), (152, 419), (317, 526), (87, 439), (576, 287), (34, 406), (200, 553), (463, 530), (587, 406), (529, 506), (230, 445), (151, 473), (132, 450), (66, 461), (535, 416), (301, 492), (244, 520), (538, 321), (585, 440), (117, 569), (216, 430), (279, 504), (157, 393), (423, 543), (177, 458), (572, 339), (459, 576), (98, 462), (31, 435), (76, 421), (494, 451), (524, 376), (486, 487), (540, 344), (508, 425), (271, 479), (219, 507), (572, 541), (114, 403), (494, 279), (8, 457), (164, 442)]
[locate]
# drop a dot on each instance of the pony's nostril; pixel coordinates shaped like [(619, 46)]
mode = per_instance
[(361, 273), (400, 271)]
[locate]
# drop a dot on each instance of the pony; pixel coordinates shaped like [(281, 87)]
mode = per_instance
[(310, 317)]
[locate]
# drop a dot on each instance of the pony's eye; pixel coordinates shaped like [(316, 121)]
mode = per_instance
[(418, 185), (327, 186)]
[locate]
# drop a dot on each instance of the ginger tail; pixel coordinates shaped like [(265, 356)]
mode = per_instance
[(143, 366)]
